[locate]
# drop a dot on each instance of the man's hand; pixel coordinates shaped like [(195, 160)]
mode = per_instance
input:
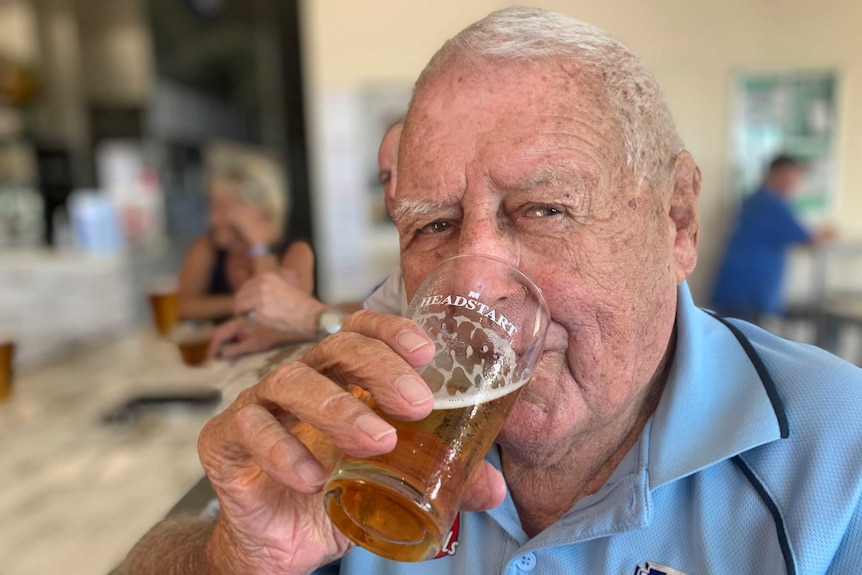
[(268, 454), (238, 337), (824, 236), (279, 302)]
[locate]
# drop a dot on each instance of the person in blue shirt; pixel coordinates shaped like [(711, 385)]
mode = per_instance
[(749, 280), (654, 438)]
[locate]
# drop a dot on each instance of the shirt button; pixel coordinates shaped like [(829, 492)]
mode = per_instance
[(526, 562)]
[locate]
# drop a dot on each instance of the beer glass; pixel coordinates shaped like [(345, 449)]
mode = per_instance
[(7, 356), (193, 341), (488, 322), (164, 305)]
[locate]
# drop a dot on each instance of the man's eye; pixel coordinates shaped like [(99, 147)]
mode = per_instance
[(542, 211), (435, 227)]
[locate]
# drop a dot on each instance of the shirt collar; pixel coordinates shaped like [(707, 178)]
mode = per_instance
[(716, 402)]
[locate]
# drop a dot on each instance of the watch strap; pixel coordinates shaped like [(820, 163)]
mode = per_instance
[(257, 251)]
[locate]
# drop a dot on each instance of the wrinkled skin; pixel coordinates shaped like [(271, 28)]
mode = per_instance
[(519, 161)]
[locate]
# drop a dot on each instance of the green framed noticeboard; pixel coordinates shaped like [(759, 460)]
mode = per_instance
[(789, 112)]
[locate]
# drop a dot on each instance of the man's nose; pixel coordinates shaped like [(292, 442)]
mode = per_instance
[(484, 236)]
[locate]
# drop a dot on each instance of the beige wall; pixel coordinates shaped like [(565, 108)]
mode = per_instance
[(829, 33), (17, 31), (692, 47), (116, 50)]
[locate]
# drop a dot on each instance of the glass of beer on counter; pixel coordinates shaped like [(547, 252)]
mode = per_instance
[(488, 322), (164, 302), (193, 341), (7, 358)]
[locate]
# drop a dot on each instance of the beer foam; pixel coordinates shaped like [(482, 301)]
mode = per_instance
[(189, 332), (473, 364), (469, 399)]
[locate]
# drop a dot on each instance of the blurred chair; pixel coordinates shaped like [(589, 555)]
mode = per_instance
[(832, 307)]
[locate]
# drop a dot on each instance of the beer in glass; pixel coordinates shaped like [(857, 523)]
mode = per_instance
[(7, 358), (488, 322), (164, 306), (193, 341)]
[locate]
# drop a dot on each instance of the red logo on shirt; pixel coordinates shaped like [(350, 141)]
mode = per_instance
[(450, 544)]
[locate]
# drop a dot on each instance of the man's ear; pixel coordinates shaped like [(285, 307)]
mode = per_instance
[(683, 213), (389, 194)]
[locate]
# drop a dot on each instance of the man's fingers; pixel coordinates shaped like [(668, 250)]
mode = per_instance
[(378, 352), (400, 334), (312, 398), (265, 295), (315, 441), (243, 301), (278, 453), (350, 358), (221, 336), (247, 345), (268, 314), (486, 489)]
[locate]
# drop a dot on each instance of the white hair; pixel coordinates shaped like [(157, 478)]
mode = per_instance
[(649, 135)]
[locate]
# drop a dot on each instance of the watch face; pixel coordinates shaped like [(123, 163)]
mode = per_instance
[(330, 321)]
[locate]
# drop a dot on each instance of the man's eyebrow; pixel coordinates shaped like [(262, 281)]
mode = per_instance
[(560, 173), (409, 209)]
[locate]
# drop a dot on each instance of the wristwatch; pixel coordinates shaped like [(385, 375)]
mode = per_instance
[(329, 322), (258, 250)]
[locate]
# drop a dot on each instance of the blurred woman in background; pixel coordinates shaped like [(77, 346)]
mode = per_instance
[(246, 238)]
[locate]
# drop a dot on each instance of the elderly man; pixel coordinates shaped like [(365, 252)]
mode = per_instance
[(653, 437)]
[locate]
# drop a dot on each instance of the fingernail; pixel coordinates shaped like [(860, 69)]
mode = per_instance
[(411, 341), (374, 427), (414, 391), (311, 472)]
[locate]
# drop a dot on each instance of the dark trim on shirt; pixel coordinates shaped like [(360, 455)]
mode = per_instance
[(763, 372), (783, 542)]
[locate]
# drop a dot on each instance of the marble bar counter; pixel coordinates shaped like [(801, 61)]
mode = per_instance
[(76, 492), (53, 302)]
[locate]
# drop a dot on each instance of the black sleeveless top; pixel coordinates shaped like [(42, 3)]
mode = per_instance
[(219, 284), (218, 280)]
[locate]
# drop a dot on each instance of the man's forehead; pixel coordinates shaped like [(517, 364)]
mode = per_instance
[(493, 95), (513, 127), (560, 79)]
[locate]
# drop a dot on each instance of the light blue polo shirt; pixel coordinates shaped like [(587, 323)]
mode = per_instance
[(752, 463)]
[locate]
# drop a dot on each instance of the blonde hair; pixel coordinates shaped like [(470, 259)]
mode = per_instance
[(649, 134), (253, 192)]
